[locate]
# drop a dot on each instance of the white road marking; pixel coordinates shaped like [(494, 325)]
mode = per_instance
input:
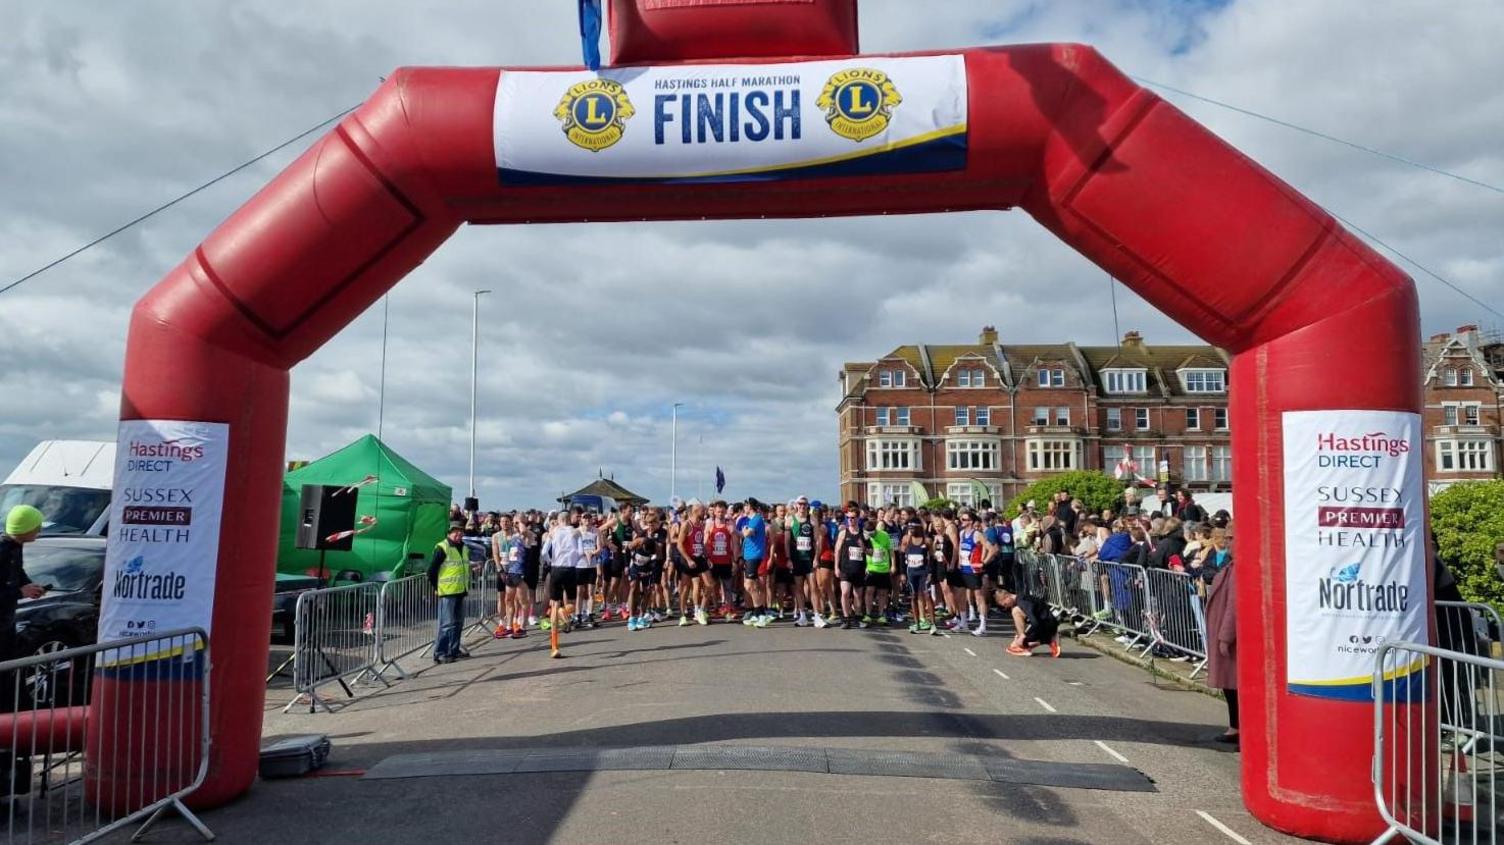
[(1222, 827), (1000, 674), (1102, 745), (1045, 704), (945, 635), (970, 652)]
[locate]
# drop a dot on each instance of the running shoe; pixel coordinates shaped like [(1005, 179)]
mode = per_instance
[(1102, 615), (656, 616), (503, 633), (914, 628), (1019, 651), (833, 618), (863, 623), (606, 615), (518, 633), (979, 631), (935, 631), (631, 623), (701, 617), (800, 621), (1054, 648), (846, 625), (866, 620), (545, 625), (762, 621), (749, 620), (532, 621), (683, 621), (820, 621), (555, 654)]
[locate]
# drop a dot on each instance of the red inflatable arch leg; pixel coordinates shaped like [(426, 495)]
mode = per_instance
[(1196, 228)]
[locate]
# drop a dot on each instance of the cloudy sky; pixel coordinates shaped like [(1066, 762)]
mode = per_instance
[(111, 108)]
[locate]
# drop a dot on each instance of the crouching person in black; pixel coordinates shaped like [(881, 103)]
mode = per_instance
[(1033, 623)]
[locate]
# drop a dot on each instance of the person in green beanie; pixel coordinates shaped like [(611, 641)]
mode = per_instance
[(22, 525)]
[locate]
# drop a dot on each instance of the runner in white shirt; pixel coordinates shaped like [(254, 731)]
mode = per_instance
[(590, 545), (562, 550)]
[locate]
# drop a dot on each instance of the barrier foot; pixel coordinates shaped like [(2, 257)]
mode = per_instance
[(1387, 836), (183, 811)]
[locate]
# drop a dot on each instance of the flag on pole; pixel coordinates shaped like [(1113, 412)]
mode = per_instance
[(720, 481), (590, 32), (918, 493)]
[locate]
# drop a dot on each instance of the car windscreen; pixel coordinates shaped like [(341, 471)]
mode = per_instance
[(65, 510), (64, 568)]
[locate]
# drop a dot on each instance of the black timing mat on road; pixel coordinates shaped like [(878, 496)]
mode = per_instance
[(835, 761)]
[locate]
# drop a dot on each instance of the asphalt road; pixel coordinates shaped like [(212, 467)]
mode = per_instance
[(775, 687)]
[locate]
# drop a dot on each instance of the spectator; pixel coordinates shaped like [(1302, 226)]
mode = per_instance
[(1215, 555), (1169, 547), (1186, 507), (1162, 504), (1222, 650)]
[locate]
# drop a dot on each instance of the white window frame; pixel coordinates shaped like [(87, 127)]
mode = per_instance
[(1114, 419), (963, 378), (1192, 419), (1054, 455), (1194, 466), (887, 454), (971, 454), (982, 414), (1471, 455), (898, 494), (1449, 377), (1221, 463), (1041, 415), (1450, 413), (1111, 457), (1063, 416), (884, 378), (1051, 377), (960, 493), (1125, 380), (1472, 413), (902, 416), (963, 415), (978, 378), (884, 416), (1145, 458), (1219, 419), (1466, 377), (1203, 380), (1141, 421)]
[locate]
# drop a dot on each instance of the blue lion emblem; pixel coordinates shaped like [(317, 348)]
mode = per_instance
[(134, 565), (1347, 574)]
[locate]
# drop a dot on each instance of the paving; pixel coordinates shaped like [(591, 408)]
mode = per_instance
[(724, 733)]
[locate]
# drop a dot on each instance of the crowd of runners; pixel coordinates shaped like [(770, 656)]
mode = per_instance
[(851, 567)]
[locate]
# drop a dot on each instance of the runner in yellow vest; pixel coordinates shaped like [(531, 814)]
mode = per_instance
[(449, 573)]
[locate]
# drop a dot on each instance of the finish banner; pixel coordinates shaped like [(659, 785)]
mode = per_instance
[(732, 123), (163, 549), (1355, 550)]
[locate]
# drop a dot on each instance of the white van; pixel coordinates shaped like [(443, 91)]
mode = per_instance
[(69, 481)]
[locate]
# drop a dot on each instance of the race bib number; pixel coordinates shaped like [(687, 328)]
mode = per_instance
[(855, 553), (803, 544), (916, 561), (940, 555)]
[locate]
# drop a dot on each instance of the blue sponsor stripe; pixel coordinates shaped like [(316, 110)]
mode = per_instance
[(940, 154), (1408, 689)]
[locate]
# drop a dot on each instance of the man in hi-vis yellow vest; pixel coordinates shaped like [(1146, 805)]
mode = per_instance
[(449, 573)]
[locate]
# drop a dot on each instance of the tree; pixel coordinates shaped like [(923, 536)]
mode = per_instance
[(1468, 518), (939, 503), (1096, 491)]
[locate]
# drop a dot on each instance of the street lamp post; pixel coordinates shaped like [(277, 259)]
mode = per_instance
[(673, 453), (474, 377)]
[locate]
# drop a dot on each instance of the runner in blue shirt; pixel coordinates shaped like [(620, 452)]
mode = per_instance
[(754, 564)]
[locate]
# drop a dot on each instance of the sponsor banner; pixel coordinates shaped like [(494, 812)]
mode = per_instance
[(1355, 549), (732, 123), (163, 547)]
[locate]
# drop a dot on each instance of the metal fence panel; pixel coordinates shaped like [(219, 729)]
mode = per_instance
[(1438, 743), (146, 731), (1175, 615), (407, 620), (1127, 604), (335, 638)]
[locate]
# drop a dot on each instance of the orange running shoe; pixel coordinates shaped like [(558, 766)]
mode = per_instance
[(1054, 648), (1019, 651)]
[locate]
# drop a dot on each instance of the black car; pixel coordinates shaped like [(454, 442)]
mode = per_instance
[(66, 616)]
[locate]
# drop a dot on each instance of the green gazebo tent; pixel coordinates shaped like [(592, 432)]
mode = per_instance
[(411, 510)]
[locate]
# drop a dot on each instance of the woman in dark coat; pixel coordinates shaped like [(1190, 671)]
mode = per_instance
[(1222, 645)]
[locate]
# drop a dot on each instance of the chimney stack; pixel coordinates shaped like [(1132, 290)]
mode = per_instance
[(1133, 340), (989, 335)]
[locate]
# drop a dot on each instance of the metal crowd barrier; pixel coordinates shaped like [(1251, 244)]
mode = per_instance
[(1082, 594), (1438, 761), (1175, 616), (406, 617), (480, 602), (334, 638), (1127, 603), (146, 731)]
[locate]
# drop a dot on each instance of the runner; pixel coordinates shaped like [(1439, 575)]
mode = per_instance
[(649, 547), (700, 583), (915, 552), (511, 599), (969, 562), (780, 580), (852, 547), (754, 555), (532, 564), (879, 572), (823, 591), (585, 570), (948, 574), (719, 550), (1035, 623), (805, 542), (562, 551), (620, 532)]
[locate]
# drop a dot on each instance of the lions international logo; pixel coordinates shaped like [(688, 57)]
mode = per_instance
[(595, 113), (858, 102)]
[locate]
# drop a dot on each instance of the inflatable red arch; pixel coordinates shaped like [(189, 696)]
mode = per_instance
[(1314, 319)]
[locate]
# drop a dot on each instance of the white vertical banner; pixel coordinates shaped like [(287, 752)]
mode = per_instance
[(1355, 547), (165, 513)]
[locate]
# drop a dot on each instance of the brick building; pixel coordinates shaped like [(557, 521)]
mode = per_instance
[(1003, 416), (1464, 379)]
